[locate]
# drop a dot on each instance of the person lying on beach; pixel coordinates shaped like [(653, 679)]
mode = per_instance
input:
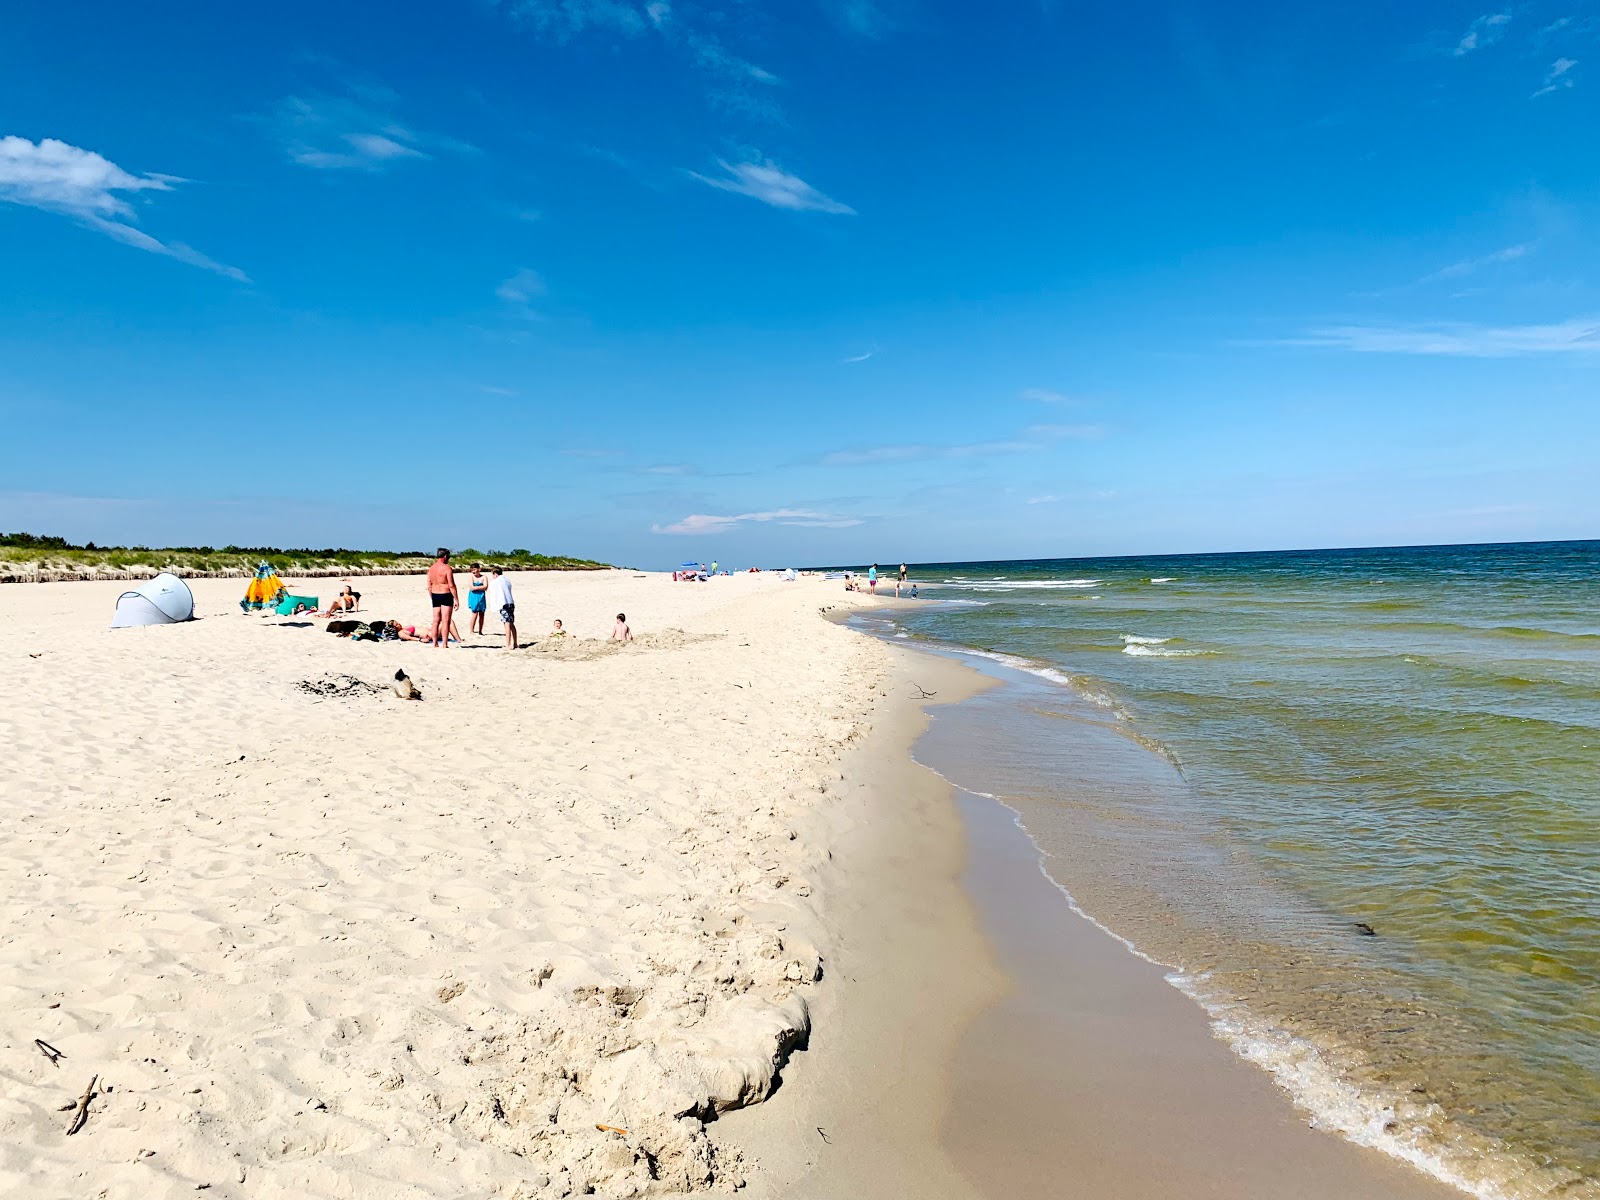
[(408, 633), (556, 630), (620, 631)]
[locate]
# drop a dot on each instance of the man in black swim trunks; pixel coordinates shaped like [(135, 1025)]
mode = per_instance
[(443, 596)]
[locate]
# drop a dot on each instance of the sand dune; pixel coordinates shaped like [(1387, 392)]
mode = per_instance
[(363, 947)]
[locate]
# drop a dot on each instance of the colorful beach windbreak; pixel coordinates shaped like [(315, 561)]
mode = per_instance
[(1351, 798)]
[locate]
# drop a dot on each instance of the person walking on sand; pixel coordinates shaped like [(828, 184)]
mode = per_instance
[(902, 572), (443, 596), (504, 604), (620, 631), (477, 598), (872, 579)]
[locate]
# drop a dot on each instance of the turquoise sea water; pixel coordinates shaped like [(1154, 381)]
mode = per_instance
[(1407, 740)]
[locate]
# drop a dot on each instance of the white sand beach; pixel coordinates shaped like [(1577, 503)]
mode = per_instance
[(364, 947), (556, 928)]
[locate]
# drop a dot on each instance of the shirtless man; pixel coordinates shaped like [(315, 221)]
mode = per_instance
[(443, 596)]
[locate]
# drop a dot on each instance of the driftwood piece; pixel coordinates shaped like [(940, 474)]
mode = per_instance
[(45, 1048), (81, 1117)]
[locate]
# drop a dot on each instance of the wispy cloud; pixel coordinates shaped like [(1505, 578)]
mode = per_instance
[(864, 18), (1045, 499), (862, 357), (683, 27), (1557, 77), (356, 132), (1034, 438), (57, 177), (1579, 336), (771, 184), (1467, 266), (668, 469), (708, 523), (496, 391), (1485, 31), (586, 452), (521, 290), (1045, 396)]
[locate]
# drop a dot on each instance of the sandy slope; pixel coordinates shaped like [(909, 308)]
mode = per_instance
[(362, 947)]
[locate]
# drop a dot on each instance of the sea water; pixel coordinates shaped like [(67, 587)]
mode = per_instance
[(1351, 798)]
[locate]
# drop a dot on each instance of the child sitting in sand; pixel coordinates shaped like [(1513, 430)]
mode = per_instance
[(620, 631), (556, 630)]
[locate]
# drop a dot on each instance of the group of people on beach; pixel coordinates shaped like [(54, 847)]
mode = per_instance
[(851, 584), (483, 592)]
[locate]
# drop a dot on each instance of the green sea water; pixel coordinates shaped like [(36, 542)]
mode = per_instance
[(1400, 740)]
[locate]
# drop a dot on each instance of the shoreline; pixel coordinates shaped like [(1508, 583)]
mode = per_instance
[(1075, 1058), (860, 1110)]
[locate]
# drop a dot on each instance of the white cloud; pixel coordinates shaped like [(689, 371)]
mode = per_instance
[(682, 28), (565, 19), (1467, 266), (1058, 432), (707, 523), (353, 133), (771, 184), (1034, 437), (1557, 76), (668, 469), (1579, 336), (862, 18), (1045, 396), (862, 357), (61, 178), (521, 288), (1485, 31), (1045, 499)]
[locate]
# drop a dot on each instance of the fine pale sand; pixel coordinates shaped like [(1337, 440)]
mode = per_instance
[(362, 947), (366, 947)]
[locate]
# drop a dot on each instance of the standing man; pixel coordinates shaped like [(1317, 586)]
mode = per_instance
[(500, 598), (443, 596), (902, 572), (872, 579)]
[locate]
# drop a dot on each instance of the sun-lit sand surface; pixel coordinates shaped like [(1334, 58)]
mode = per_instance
[(366, 947)]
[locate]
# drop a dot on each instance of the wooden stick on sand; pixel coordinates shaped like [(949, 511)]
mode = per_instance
[(81, 1117)]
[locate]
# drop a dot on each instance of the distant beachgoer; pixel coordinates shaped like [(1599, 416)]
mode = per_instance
[(443, 596), (713, 566), (872, 579), (897, 583), (477, 598), (504, 604), (913, 591), (556, 630), (620, 631), (902, 572)]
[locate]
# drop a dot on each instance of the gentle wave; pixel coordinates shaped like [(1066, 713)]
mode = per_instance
[(1016, 585), (1133, 639), (1142, 650), (1162, 579)]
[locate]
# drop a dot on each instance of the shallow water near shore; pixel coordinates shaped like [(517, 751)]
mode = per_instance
[(1241, 764)]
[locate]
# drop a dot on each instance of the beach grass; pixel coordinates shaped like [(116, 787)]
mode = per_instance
[(27, 556)]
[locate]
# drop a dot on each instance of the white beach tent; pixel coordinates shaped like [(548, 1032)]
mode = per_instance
[(164, 600)]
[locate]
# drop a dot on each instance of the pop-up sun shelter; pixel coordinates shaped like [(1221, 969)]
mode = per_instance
[(164, 600)]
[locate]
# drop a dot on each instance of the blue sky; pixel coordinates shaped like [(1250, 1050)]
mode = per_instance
[(823, 281)]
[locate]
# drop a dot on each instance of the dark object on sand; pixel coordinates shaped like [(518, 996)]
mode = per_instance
[(404, 688), (337, 687), (1365, 930)]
